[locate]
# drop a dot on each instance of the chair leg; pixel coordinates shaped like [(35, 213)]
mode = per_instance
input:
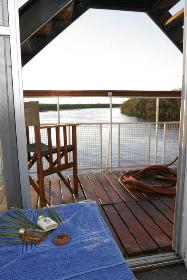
[(75, 178), (42, 191), (66, 183)]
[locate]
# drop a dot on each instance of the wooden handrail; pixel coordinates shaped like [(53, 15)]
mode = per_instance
[(175, 19), (92, 93)]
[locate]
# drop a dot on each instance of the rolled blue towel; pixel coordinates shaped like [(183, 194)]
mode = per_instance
[(91, 254)]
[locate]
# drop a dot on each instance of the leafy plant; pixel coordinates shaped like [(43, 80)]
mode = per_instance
[(10, 226)]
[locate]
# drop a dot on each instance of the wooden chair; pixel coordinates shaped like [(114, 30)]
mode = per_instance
[(57, 156)]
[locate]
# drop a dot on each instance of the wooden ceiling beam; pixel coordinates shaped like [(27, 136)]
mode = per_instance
[(177, 19), (176, 34), (66, 13), (167, 4), (117, 4), (26, 48), (45, 30), (99, 93)]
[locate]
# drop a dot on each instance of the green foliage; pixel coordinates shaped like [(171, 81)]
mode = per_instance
[(169, 109)]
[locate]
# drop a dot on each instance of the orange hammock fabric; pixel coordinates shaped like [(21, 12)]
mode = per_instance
[(168, 176)]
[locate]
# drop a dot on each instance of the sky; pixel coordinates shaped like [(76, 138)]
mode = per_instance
[(21, 2), (109, 50)]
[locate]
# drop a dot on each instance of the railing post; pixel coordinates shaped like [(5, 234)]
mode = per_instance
[(101, 148), (69, 142), (119, 148), (164, 144), (58, 109), (149, 145), (179, 239), (156, 129), (110, 96)]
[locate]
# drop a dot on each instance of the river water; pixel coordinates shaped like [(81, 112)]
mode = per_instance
[(93, 115), (133, 140)]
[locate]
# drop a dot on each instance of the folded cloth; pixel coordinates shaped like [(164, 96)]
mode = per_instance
[(91, 254)]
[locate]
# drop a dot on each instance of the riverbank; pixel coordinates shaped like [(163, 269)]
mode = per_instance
[(145, 109), (53, 107)]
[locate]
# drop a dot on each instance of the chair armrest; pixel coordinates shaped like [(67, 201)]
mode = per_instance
[(57, 125)]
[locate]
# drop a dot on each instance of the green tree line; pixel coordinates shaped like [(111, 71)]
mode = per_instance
[(145, 109), (53, 107)]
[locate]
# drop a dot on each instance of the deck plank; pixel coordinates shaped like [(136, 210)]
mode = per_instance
[(47, 183), (56, 195), (123, 233), (107, 221), (3, 206), (164, 209), (158, 217), (169, 201), (100, 191), (2, 194), (136, 194), (81, 195), (123, 193), (34, 197), (151, 227), (142, 237), (88, 189), (3, 202), (67, 196), (115, 198)]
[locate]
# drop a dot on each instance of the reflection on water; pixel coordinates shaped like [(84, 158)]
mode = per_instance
[(93, 115)]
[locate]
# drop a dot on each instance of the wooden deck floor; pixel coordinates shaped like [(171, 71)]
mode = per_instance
[(140, 223), (3, 203)]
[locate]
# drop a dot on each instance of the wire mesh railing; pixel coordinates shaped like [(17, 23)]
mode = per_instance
[(133, 144), (148, 143)]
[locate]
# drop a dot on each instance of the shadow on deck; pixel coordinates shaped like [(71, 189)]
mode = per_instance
[(140, 223)]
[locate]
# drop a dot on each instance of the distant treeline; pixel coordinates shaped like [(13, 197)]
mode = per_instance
[(53, 107), (169, 109)]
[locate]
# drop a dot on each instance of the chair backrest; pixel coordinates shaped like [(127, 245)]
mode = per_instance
[(32, 119), (32, 115)]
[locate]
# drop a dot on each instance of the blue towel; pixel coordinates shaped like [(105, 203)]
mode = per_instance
[(91, 254)]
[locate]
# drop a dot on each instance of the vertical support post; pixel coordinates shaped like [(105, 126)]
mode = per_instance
[(164, 144), (101, 148), (12, 125), (110, 96), (156, 129), (119, 142), (58, 109), (149, 145), (180, 226)]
